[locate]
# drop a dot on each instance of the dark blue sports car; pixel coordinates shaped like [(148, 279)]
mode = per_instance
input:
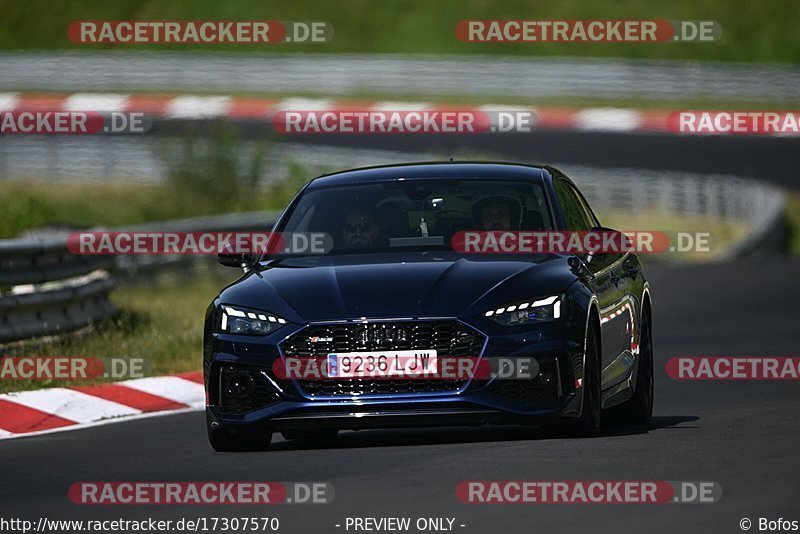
[(397, 323)]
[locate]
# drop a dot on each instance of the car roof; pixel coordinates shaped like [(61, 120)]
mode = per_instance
[(439, 169)]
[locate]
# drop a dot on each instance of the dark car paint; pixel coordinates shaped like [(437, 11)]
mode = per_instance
[(441, 284)]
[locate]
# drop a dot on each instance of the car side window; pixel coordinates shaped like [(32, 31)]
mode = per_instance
[(575, 217), (587, 211)]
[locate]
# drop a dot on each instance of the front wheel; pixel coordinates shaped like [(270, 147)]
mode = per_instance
[(639, 409), (588, 424)]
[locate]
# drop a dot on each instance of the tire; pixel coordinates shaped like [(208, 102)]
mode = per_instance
[(316, 434), (223, 440), (591, 419), (639, 409)]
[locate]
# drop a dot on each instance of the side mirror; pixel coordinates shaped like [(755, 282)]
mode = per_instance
[(580, 267), (229, 257)]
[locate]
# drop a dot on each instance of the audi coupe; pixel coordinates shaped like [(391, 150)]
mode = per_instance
[(409, 313)]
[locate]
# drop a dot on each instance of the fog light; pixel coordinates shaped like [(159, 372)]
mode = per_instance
[(239, 384)]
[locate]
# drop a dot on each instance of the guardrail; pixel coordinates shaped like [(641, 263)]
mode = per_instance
[(759, 205), (45, 290)]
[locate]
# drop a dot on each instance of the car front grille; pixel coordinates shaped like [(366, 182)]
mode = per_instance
[(451, 339)]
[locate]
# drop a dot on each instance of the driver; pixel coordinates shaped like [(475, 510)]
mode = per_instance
[(497, 213), (360, 229)]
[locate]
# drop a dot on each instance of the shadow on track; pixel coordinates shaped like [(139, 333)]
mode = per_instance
[(442, 436)]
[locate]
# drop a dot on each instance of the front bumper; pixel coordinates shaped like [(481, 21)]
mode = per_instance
[(280, 404)]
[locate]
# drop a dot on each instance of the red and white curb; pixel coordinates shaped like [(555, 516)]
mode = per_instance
[(55, 409), (196, 107)]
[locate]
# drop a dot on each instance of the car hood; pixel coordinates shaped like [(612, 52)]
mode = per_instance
[(426, 286)]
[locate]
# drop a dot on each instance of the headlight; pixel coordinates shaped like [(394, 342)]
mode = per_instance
[(527, 311), (248, 322)]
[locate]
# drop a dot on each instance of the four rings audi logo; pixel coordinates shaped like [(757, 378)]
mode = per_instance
[(381, 335), (371, 335)]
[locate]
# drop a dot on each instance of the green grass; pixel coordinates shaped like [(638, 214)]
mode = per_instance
[(763, 31), (27, 204), (31, 204), (724, 233)]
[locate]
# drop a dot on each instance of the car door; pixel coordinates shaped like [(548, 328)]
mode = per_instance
[(608, 284)]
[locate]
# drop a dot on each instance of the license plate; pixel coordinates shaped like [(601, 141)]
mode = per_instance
[(402, 363)]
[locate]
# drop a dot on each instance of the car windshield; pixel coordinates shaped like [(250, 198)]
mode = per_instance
[(416, 214)]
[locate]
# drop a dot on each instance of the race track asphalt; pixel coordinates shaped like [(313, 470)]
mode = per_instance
[(743, 435)]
